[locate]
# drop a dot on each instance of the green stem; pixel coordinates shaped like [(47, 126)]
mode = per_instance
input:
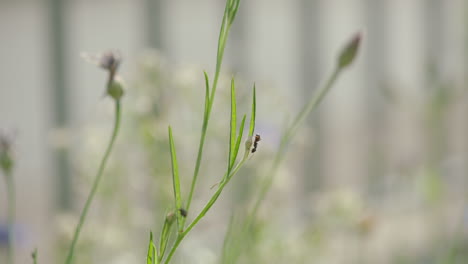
[(10, 185), (205, 209), (290, 132), (96, 183)]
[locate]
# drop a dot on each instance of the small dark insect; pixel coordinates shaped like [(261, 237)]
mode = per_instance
[(255, 144), (183, 212)]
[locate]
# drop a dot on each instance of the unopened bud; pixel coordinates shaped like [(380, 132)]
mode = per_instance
[(170, 217), (248, 145), (6, 153), (115, 89), (349, 52)]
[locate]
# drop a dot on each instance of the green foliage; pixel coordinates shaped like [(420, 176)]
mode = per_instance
[(235, 139)]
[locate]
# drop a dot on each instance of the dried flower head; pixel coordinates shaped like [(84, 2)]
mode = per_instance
[(109, 61)]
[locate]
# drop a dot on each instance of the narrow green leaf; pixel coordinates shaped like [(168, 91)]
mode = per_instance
[(252, 116), (207, 93), (232, 134), (165, 234), (233, 10), (238, 141), (151, 257), (175, 180)]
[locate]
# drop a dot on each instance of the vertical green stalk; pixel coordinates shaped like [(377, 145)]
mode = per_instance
[(10, 186), (96, 182)]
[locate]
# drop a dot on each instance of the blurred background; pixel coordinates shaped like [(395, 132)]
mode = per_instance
[(377, 175)]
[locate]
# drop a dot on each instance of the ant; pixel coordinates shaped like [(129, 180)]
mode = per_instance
[(183, 212), (255, 144)]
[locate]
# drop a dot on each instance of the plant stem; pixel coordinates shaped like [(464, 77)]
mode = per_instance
[(96, 182), (10, 186), (289, 134), (205, 209)]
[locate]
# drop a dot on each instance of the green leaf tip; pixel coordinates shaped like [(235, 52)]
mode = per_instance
[(151, 257), (233, 7), (349, 52)]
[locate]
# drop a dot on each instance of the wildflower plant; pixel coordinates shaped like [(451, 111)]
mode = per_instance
[(110, 62), (179, 215)]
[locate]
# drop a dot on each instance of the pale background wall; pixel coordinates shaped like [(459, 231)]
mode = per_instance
[(290, 44)]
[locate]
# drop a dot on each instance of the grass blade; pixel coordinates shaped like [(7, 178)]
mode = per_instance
[(165, 234), (175, 180), (252, 115), (232, 134), (151, 257), (238, 141)]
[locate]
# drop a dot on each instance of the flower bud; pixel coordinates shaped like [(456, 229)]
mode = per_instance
[(115, 89), (6, 155), (349, 52), (248, 145), (170, 217)]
